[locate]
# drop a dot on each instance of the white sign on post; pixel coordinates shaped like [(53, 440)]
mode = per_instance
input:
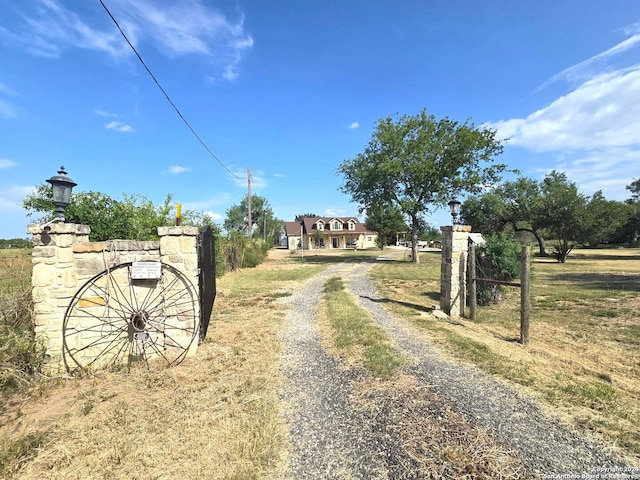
[(146, 270)]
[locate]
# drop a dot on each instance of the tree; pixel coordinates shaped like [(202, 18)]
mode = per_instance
[(634, 188), (264, 222), (134, 217), (562, 211), (303, 215), (511, 204), (603, 218), (418, 163), (631, 230), (430, 232), (387, 221)]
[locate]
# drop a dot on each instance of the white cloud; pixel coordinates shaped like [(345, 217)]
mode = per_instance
[(229, 73), (11, 198), (354, 125), (6, 109), (608, 169), (585, 69), (334, 212), (104, 113), (5, 90), (174, 28), (51, 29), (279, 175), (258, 180), (592, 130), (602, 112), (6, 163), (207, 204), (118, 127), (177, 169)]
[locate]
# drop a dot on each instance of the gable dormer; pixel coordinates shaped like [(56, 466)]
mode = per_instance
[(336, 224), (351, 225), (319, 225)]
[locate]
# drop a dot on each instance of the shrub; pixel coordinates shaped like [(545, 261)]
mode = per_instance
[(499, 259)]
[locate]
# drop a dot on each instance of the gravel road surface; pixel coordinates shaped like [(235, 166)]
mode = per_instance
[(333, 437)]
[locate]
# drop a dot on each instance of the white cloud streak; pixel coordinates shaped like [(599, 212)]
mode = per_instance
[(585, 69), (177, 169), (205, 205), (118, 127), (6, 163), (334, 212), (592, 130), (354, 125), (11, 198), (6, 109), (602, 112), (174, 28), (258, 180), (104, 113)]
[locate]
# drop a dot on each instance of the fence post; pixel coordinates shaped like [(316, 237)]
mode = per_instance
[(524, 295), (472, 280)]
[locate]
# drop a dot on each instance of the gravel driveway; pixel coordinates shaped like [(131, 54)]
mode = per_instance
[(333, 434)]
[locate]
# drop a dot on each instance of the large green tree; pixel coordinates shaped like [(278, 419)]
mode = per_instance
[(562, 211), (603, 219), (387, 221), (418, 163), (509, 205)]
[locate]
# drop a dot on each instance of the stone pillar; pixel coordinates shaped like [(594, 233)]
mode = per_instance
[(54, 282), (453, 271), (178, 248)]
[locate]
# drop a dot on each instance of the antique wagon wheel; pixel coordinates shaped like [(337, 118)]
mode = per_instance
[(119, 319)]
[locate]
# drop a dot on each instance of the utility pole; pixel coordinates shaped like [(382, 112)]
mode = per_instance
[(249, 203)]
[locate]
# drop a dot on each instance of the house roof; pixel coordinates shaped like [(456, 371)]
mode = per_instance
[(293, 228)]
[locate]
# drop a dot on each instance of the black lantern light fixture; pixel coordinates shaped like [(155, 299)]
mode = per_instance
[(454, 205), (62, 186)]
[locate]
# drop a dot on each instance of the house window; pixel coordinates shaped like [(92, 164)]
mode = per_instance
[(337, 226), (352, 226), (368, 239), (320, 226)]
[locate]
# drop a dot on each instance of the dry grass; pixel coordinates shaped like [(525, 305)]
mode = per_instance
[(436, 442), (217, 414), (214, 416), (583, 357), (351, 334)]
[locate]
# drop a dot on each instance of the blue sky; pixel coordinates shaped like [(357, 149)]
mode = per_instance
[(293, 88)]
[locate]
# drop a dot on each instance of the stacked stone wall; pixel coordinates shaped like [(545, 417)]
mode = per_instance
[(64, 260)]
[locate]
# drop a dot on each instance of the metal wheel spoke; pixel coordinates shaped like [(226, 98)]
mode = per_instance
[(114, 319)]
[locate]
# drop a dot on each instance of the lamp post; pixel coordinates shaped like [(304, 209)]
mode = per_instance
[(454, 205), (62, 186)]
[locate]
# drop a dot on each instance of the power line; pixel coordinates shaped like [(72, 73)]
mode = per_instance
[(166, 94)]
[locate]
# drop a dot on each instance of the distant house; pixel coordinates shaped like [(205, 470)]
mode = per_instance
[(329, 232)]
